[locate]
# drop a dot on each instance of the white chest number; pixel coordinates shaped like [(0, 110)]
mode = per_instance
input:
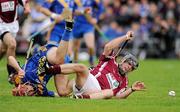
[(7, 6)]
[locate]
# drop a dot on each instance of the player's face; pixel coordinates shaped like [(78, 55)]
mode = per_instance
[(127, 67)]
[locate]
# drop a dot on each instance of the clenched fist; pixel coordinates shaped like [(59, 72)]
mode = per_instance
[(129, 35)]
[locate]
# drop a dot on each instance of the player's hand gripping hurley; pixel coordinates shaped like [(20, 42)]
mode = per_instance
[(129, 36)]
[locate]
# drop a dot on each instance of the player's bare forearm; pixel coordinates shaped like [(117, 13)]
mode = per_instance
[(103, 94), (136, 86), (115, 42), (43, 10), (124, 94), (48, 13), (27, 8)]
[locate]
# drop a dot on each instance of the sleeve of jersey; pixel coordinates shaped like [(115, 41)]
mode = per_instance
[(105, 58), (23, 2)]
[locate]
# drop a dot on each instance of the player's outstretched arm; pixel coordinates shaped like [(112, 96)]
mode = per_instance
[(103, 94), (136, 86), (116, 42), (48, 13), (124, 94)]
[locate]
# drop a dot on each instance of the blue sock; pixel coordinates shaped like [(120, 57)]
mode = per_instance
[(66, 35)]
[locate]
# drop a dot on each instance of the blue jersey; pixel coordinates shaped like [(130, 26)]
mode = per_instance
[(57, 7), (97, 9), (81, 25), (34, 68)]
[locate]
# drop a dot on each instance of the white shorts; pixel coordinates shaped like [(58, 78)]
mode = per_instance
[(13, 28), (91, 85)]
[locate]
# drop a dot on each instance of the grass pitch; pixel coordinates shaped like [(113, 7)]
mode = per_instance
[(160, 76)]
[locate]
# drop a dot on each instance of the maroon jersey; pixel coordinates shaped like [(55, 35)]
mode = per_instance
[(8, 9), (107, 74)]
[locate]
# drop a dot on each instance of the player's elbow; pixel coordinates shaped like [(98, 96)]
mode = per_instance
[(107, 49)]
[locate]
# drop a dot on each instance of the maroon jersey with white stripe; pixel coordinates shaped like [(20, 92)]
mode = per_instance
[(106, 72), (8, 10)]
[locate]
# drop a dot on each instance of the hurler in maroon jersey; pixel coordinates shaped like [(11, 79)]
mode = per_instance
[(9, 25), (109, 78)]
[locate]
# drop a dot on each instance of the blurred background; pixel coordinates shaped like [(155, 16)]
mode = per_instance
[(156, 24)]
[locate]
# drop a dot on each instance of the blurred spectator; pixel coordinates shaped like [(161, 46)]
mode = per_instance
[(113, 31), (177, 44)]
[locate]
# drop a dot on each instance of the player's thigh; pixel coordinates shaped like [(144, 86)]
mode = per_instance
[(55, 37), (90, 85), (2, 48), (89, 39), (9, 40), (51, 55)]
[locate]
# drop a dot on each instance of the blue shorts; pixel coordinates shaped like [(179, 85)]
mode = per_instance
[(55, 36), (80, 29)]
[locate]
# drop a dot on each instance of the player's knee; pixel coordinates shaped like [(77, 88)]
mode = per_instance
[(80, 68), (63, 92), (90, 46), (10, 58), (12, 45)]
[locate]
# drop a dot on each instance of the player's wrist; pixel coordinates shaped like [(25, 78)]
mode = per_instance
[(132, 89), (127, 37), (54, 15)]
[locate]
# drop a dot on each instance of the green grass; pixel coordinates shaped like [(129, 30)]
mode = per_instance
[(160, 76)]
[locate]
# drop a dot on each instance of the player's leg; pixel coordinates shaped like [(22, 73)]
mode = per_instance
[(2, 49), (63, 85), (85, 83), (13, 62), (70, 50), (76, 47), (89, 40), (10, 42), (14, 71), (56, 55), (81, 71)]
